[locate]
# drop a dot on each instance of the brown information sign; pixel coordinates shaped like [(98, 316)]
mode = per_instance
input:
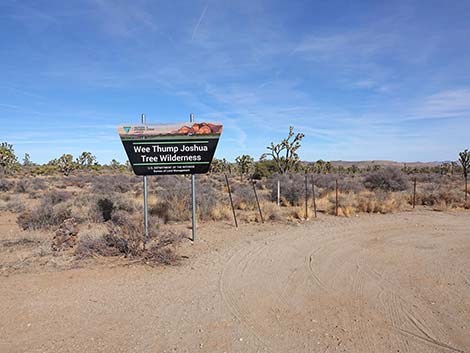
[(170, 149)]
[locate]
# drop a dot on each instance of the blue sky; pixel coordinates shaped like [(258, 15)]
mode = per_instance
[(362, 79)]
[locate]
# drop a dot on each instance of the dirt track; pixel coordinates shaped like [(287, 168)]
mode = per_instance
[(391, 283)]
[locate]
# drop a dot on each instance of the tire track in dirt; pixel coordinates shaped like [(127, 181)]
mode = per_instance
[(329, 278), (229, 298), (399, 311)]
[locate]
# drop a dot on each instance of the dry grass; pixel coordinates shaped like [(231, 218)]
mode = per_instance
[(43, 203)]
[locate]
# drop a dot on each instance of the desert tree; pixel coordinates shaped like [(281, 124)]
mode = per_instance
[(114, 164), (86, 159), (454, 167), (284, 153), (464, 159), (319, 166), (328, 167), (245, 164), (221, 166), (445, 168), (217, 166), (128, 166), (8, 159), (66, 164), (27, 160), (354, 169), (227, 166)]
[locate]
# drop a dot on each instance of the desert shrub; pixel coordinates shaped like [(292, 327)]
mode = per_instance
[(379, 202), (440, 197), (129, 240), (38, 184), (112, 183), (387, 179), (351, 184), (101, 208), (243, 197), (34, 187), (174, 199), (14, 205), (57, 196), (6, 185), (88, 207), (81, 180), (22, 186), (325, 181), (206, 200), (106, 207), (52, 211), (271, 211), (120, 218), (160, 256), (44, 215), (91, 246), (292, 188), (346, 205)]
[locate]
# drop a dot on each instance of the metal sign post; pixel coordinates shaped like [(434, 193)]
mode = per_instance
[(193, 194), (170, 149), (146, 206)]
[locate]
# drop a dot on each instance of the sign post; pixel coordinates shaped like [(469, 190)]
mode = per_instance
[(170, 149), (193, 195), (146, 204)]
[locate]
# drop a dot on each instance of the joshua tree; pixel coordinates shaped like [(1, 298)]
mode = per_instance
[(66, 164), (86, 159), (284, 153), (8, 160), (217, 166), (446, 168), (27, 160), (245, 164), (465, 162), (319, 166)]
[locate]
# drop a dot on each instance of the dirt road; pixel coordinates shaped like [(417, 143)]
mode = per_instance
[(383, 283)]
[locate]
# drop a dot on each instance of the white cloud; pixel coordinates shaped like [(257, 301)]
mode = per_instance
[(445, 104)]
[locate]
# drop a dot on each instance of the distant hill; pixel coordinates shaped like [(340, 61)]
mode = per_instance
[(364, 164)]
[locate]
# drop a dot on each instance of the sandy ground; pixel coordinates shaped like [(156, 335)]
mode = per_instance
[(381, 283)]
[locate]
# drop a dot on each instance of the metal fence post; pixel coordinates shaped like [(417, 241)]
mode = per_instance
[(146, 214), (257, 201), (314, 200), (193, 194), (231, 201), (337, 199), (306, 196), (278, 192)]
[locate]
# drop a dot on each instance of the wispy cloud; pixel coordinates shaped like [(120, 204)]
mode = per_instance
[(445, 104), (196, 27), (124, 18)]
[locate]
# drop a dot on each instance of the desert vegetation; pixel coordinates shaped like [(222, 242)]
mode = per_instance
[(75, 209)]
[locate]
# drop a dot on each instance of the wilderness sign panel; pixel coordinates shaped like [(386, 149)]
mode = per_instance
[(170, 149)]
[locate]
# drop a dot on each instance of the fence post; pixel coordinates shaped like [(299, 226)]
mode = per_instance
[(257, 201), (337, 200), (306, 196), (146, 204), (193, 197), (231, 201), (414, 192), (466, 189), (314, 201), (278, 192)]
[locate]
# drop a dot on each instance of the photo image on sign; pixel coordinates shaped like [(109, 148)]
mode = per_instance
[(133, 131)]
